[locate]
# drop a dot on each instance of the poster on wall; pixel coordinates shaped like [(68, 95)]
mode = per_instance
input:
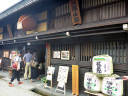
[(63, 74), (56, 54), (65, 55), (6, 54)]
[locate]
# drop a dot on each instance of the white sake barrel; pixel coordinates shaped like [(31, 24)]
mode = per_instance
[(92, 82), (112, 86), (102, 65)]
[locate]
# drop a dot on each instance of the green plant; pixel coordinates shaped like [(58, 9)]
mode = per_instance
[(43, 80)]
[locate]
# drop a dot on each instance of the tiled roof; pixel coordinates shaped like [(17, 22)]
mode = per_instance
[(17, 7)]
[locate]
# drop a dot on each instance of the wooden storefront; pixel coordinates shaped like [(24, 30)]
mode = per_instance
[(100, 32)]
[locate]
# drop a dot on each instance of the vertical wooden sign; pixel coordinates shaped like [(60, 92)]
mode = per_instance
[(75, 12), (75, 80)]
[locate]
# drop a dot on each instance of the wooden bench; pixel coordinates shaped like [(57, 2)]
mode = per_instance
[(95, 94)]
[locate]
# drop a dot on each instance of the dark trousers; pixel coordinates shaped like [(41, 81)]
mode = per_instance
[(16, 74)]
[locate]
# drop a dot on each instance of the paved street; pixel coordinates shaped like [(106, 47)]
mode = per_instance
[(5, 90), (25, 88)]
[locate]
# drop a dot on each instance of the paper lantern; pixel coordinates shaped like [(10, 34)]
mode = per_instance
[(26, 22), (102, 65), (112, 86), (92, 82)]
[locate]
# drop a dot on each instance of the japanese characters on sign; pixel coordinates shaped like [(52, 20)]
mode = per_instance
[(92, 82), (112, 86), (75, 12), (102, 64)]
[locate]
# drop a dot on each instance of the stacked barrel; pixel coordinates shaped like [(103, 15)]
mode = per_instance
[(102, 79)]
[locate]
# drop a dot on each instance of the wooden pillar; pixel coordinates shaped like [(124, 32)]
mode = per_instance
[(48, 57), (77, 53), (126, 82), (9, 30)]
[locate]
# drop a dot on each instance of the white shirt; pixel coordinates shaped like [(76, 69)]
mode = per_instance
[(17, 58)]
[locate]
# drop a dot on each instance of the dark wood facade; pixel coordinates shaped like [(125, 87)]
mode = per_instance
[(101, 32)]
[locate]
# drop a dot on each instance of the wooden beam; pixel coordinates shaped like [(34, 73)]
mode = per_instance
[(9, 30)]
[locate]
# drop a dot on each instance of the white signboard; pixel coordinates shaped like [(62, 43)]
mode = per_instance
[(92, 82), (102, 64), (50, 71), (63, 74), (112, 86)]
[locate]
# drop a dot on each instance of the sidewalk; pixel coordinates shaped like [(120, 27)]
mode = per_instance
[(37, 85)]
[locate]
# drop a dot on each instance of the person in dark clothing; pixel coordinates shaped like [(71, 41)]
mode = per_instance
[(34, 71)]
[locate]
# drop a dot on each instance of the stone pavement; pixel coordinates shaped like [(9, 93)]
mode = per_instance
[(25, 88)]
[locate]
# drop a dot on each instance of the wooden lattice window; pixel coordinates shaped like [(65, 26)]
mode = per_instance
[(115, 49), (62, 10), (86, 51), (94, 3)]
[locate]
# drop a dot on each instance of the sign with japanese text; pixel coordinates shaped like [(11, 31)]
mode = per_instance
[(102, 64), (75, 11), (75, 79), (50, 71), (63, 74)]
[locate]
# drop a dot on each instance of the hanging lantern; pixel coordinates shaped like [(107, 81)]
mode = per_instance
[(26, 22)]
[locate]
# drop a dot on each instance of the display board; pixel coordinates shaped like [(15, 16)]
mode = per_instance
[(75, 79), (56, 54), (50, 71), (63, 74), (112, 86), (102, 64), (65, 55)]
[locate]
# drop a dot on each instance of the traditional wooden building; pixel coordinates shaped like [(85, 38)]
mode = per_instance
[(85, 28)]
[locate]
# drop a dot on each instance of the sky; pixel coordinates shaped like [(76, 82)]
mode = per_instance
[(6, 4)]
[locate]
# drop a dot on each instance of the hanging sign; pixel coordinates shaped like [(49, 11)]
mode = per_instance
[(65, 55), (75, 11)]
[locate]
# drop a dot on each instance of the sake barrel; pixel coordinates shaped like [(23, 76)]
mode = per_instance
[(112, 86), (92, 82), (26, 22), (102, 65)]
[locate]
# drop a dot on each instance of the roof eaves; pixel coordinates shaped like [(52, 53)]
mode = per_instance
[(17, 7)]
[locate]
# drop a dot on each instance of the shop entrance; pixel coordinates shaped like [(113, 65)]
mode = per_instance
[(40, 50)]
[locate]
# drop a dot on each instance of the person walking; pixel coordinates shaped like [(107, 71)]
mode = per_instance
[(27, 58), (15, 63)]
